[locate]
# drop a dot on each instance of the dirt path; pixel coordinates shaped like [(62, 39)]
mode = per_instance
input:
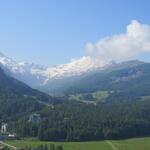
[(10, 146), (112, 145)]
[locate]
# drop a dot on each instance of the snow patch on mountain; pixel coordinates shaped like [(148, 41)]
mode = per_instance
[(36, 75), (75, 68)]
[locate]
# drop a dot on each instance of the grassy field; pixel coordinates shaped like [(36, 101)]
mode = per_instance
[(90, 98), (130, 144)]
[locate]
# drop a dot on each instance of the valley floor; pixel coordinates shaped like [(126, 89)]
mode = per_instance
[(129, 144)]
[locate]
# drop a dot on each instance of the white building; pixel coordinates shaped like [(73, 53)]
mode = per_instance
[(4, 128)]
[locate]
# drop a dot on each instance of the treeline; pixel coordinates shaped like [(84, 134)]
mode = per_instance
[(45, 147), (75, 121), (14, 106), (39, 147)]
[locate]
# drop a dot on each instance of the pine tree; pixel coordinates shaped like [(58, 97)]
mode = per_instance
[(59, 147), (52, 147), (45, 147)]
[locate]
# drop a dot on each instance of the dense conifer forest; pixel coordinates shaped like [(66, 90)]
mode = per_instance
[(75, 121)]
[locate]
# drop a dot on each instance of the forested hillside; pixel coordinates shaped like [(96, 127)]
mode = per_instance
[(129, 80), (121, 111), (75, 121), (16, 98)]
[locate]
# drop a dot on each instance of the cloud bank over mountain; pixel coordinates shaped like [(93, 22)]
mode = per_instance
[(135, 41)]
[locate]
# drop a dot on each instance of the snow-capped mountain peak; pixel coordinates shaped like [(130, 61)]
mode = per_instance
[(75, 67), (37, 75)]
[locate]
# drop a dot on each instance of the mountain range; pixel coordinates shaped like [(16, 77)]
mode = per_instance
[(119, 91), (38, 76), (83, 76)]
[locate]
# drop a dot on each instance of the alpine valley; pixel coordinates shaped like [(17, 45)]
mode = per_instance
[(84, 76), (79, 101)]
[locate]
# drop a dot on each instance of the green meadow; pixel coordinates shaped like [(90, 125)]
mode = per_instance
[(129, 144)]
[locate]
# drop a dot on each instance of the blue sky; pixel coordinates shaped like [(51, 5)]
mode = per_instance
[(51, 32)]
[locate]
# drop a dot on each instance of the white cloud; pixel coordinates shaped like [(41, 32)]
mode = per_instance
[(135, 41)]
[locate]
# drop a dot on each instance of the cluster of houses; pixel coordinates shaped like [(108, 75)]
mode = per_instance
[(4, 134)]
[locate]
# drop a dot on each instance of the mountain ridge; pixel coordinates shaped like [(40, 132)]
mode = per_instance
[(60, 83), (39, 75)]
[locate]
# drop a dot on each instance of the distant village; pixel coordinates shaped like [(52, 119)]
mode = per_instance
[(4, 134)]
